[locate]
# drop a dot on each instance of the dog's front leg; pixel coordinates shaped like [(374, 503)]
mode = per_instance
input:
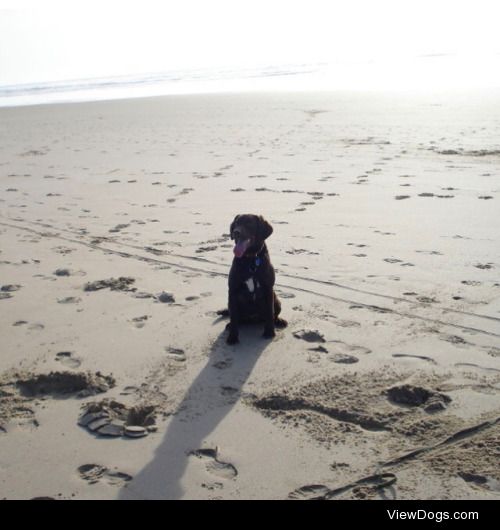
[(269, 332)]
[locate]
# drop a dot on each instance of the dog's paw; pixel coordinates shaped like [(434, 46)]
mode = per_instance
[(280, 323), (269, 333), (232, 339)]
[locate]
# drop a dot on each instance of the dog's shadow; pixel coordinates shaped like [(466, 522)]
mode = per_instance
[(206, 403)]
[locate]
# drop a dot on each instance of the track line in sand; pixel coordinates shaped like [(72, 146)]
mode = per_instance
[(382, 479), (198, 259), (149, 259), (454, 438)]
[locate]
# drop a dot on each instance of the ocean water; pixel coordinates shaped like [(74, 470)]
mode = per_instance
[(425, 73), (201, 80)]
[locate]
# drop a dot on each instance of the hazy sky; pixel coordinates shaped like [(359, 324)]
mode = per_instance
[(51, 40)]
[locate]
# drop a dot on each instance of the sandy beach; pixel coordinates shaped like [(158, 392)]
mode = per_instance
[(115, 378)]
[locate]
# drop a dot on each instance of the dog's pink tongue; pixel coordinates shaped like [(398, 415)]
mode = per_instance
[(240, 248)]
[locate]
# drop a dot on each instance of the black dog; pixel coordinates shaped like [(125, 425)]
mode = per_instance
[(251, 279)]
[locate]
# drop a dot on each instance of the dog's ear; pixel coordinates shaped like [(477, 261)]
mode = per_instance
[(265, 229), (232, 226)]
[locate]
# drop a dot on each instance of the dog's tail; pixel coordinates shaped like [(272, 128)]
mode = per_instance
[(223, 312)]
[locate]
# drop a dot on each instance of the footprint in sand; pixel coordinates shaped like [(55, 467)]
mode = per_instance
[(63, 250), (420, 357), (342, 358), (119, 227), (95, 473), (320, 349), (492, 350), (310, 492), (223, 365), (120, 284), (213, 465), (482, 266), (140, 322), (69, 300), (472, 365), (206, 249), (301, 251), (483, 481), (427, 300), (349, 349), (416, 396), (62, 272), (36, 326), (309, 335), (129, 390), (455, 339), (10, 288), (191, 298), (429, 252), (66, 358), (176, 354)]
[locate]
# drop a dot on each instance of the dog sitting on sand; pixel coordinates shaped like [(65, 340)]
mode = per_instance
[(251, 278)]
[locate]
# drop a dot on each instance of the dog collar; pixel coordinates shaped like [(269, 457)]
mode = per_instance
[(254, 265)]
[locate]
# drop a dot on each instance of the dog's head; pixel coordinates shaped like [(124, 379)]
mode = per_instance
[(249, 232)]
